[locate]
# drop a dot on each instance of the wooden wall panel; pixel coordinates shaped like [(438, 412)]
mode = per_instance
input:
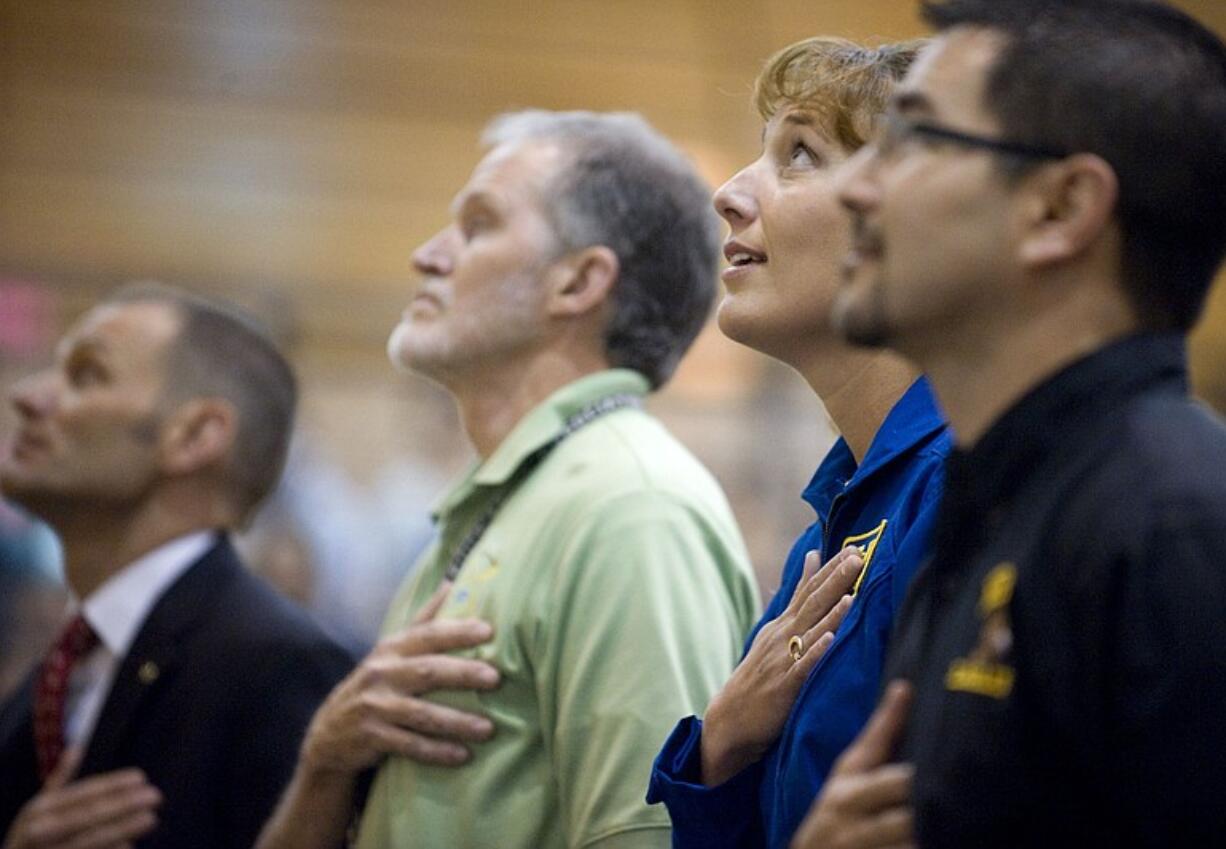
[(305, 145), (308, 145)]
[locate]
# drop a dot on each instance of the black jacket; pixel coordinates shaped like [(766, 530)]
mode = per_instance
[(232, 673), (1068, 639)]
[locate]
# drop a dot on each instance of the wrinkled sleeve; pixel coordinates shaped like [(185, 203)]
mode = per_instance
[(726, 815), (646, 623), (729, 814)]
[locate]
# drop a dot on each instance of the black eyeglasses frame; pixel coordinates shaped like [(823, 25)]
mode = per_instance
[(1009, 148)]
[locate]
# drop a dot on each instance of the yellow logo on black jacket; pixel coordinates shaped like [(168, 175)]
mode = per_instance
[(983, 671)]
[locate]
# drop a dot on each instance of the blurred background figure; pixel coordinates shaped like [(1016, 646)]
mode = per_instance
[(32, 594), (335, 546)]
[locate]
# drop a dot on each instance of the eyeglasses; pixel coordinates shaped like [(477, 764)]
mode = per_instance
[(897, 133)]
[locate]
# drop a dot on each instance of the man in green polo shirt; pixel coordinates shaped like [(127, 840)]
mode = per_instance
[(589, 583)]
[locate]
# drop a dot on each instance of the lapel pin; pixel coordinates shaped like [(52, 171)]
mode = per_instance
[(148, 672)]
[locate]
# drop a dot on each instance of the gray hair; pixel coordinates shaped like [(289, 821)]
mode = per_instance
[(626, 187)]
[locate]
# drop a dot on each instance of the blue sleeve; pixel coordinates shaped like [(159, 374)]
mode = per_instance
[(915, 548), (726, 815)]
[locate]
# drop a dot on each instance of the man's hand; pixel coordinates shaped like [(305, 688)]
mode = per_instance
[(749, 713), (866, 803), (376, 711), (103, 811)]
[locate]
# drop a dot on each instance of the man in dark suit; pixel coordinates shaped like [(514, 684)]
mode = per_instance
[(170, 710)]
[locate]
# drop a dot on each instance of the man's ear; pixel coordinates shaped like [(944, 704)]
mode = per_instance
[(1069, 205), (197, 434), (582, 281)]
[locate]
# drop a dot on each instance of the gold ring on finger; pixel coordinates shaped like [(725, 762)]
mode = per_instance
[(796, 648)]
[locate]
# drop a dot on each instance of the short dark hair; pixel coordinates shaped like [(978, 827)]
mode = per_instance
[(624, 186), (221, 351), (1142, 85)]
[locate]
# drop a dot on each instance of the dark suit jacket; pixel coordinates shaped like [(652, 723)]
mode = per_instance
[(211, 702)]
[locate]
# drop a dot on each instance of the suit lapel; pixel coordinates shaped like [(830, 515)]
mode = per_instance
[(157, 653)]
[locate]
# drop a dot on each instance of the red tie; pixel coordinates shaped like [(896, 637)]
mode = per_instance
[(51, 691)]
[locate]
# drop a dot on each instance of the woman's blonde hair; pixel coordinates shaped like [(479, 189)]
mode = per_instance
[(846, 85)]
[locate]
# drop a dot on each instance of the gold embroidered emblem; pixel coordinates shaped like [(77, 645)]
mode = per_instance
[(984, 671), (867, 543)]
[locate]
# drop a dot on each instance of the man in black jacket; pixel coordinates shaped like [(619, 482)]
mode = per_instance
[(1037, 227), (170, 710)]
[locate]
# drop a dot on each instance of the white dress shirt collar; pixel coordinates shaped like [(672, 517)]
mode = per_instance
[(118, 607)]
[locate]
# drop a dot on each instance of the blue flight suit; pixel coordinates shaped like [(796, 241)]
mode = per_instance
[(887, 506)]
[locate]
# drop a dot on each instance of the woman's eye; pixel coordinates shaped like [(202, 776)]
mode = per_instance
[(802, 155), (476, 225)]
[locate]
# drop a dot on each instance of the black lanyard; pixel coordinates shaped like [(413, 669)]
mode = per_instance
[(587, 415)]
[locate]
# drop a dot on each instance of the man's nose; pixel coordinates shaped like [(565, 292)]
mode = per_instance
[(435, 257), (33, 396), (854, 184)]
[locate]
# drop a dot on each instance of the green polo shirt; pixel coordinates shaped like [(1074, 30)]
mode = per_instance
[(619, 590)]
